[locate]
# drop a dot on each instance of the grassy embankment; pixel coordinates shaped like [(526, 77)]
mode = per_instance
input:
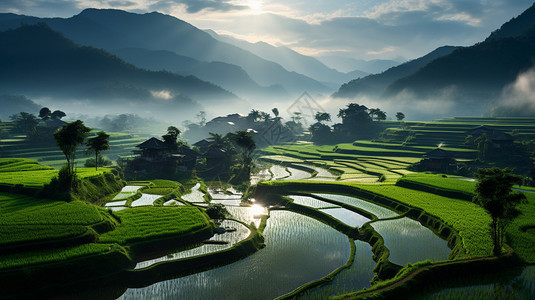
[(83, 243)]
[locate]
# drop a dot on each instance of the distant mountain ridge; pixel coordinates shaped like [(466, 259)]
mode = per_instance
[(42, 63), (115, 29), (293, 61), (470, 80), (376, 84), (480, 72)]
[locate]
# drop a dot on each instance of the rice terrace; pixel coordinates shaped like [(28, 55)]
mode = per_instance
[(144, 158)]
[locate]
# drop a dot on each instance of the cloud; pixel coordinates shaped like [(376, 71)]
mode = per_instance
[(39, 8), (195, 6), (518, 98)]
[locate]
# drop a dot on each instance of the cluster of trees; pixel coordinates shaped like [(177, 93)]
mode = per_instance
[(267, 128), (68, 138), (233, 156), (27, 123), (358, 121)]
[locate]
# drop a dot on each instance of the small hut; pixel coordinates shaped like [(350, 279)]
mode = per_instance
[(153, 149), (438, 160)]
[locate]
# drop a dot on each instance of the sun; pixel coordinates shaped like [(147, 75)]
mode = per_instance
[(255, 5)]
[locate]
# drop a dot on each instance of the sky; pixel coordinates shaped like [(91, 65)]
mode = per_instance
[(359, 29)]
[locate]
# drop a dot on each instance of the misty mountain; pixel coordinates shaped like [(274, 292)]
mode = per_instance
[(348, 64), (229, 76), (42, 63), (13, 104), (115, 29), (376, 84), (293, 61), (480, 72)]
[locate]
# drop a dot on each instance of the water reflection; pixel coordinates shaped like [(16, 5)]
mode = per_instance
[(298, 250), (410, 242)]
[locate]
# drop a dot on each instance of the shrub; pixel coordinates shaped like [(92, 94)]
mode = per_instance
[(102, 162)]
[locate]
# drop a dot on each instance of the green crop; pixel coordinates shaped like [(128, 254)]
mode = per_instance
[(145, 223)]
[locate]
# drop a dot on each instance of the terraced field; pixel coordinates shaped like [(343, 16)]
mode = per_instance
[(50, 155), (30, 173)]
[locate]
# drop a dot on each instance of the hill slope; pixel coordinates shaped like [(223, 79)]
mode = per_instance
[(115, 29), (43, 63), (376, 83)]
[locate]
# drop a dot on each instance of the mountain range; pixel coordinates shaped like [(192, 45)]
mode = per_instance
[(42, 63), (123, 58), (472, 79), (118, 31)]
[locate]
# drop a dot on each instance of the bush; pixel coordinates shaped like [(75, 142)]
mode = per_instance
[(102, 162), (217, 211)]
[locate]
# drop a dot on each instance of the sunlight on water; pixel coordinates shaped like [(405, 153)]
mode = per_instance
[(298, 250), (312, 202), (346, 216), (196, 194)]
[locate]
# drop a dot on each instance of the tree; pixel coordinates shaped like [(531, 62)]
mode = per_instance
[(322, 116), (25, 123), (245, 141), (265, 116), (354, 115), (494, 194), (380, 115), (321, 133), (44, 113), (201, 116), (400, 116), (297, 117), (253, 116), (98, 144), (68, 138), (171, 137), (57, 114)]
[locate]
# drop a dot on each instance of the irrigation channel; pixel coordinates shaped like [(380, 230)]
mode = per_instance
[(299, 249)]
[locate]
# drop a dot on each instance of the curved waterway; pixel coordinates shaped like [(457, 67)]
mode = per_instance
[(298, 250)]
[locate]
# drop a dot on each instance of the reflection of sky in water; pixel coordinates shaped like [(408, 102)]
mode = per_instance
[(354, 278), (196, 195), (145, 199), (298, 250), (347, 217), (519, 287), (379, 211), (311, 202), (297, 174), (410, 242), (232, 238), (116, 203)]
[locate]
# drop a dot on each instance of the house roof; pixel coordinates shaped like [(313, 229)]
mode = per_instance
[(438, 154), (478, 130), (188, 152), (152, 143), (214, 153), (202, 143), (502, 137)]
